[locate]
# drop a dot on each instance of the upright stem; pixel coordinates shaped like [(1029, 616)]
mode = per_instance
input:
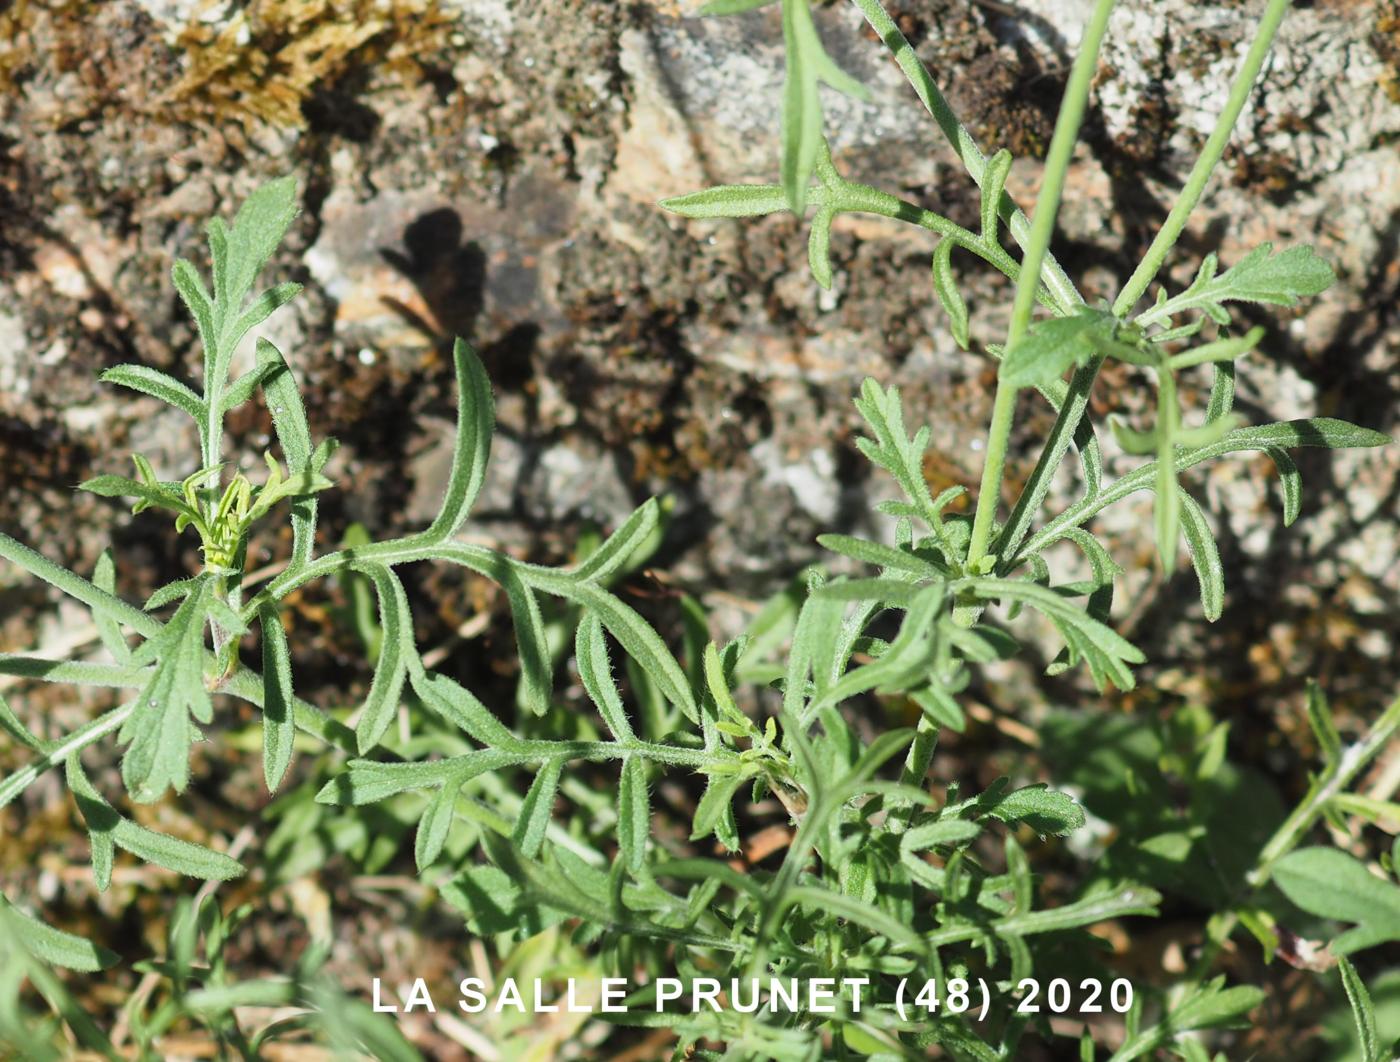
[(1077, 401), (1042, 228), (1214, 148)]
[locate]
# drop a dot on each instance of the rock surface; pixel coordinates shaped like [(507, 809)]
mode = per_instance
[(489, 169)]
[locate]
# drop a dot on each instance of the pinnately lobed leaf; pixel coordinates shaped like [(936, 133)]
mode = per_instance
[(839, 879), (1051, 347), (108, 830), (1282, 278), (1261, 277), (161, 727)]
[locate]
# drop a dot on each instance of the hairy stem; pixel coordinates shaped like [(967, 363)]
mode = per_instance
[(78, 588), (851, 196), (1036, 250), (1082, 382), (1054, 278), (14, 784)]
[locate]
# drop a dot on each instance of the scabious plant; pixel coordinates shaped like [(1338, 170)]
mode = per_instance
[(918, 891)]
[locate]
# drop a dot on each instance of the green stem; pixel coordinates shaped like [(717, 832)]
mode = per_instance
[(13, 785), (1210, 155), (1036, 248), (1144, 478), (853, 197), (78, 588), (962, 142), (1082, 382)]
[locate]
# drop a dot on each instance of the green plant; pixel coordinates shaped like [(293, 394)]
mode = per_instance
[(887, 878)]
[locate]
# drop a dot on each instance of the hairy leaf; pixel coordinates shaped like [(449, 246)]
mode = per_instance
[(714, 804), (633, 814), (1260, 276), (157, 384), (595, 671), (1330, 883), (397, 656), (940, 833), (460, 707), (1290, 484), (1052, 346), (278, 728), (1205, 556), (289, 421), (945, 286), (1040, 808), (618, 548), (1363, 1011), (1323, 727), (476, 420), (53, 945), (160, 729), (262, 221), (10, 724), (536, 808), (104, 577), (993, 185), (808, 66), (1105, 651), (369, 781), (435, 825), (109, 829), (729, 201)]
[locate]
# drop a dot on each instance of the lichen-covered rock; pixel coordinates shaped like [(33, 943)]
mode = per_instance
[(490, 169)]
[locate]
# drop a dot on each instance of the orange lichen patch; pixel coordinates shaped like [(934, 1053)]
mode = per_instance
[(1385, 38), (273, 54), (16, 43)]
